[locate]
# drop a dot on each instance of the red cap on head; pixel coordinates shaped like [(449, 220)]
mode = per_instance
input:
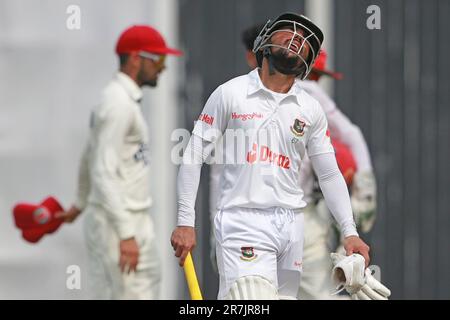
[(143, 38), (320, 66), (37, 220)]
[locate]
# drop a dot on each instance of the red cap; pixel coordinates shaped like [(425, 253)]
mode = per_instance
[(345, 160), (143, 38), (319, 66), (37, 220)]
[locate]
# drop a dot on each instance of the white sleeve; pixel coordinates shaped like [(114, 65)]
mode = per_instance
[(83, 180), (335, 191), (109, 134), (319, 139), (188, 179), (348, 133), (213, 120)]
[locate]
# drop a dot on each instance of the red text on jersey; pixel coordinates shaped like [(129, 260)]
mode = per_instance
[(268, 156)]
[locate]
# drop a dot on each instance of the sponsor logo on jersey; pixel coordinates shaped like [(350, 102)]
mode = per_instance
[(41, 215), (248, 254), (298, 128), (298, 264), (246, 116), (206, 118), (268, 156)]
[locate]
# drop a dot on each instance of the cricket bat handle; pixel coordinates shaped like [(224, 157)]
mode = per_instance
[(191, 278)]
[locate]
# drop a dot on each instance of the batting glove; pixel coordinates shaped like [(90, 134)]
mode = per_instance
[(349, 273)]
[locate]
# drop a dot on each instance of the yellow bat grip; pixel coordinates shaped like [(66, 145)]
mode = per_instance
[(191, 278)]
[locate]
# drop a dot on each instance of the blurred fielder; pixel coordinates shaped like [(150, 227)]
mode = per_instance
[(113, 188), (259, 223)]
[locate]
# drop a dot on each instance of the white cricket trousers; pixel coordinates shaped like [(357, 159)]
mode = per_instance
[(105, 279), (262, 242)]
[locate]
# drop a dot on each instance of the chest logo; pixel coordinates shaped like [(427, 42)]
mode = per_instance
[(298, 128)]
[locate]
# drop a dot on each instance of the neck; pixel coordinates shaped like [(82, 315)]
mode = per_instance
[(276, 82), (132, 74)]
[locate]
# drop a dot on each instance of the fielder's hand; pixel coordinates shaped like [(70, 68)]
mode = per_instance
[(129, 255), (68, 216), (183, 241), (349, 274), (354, 244)]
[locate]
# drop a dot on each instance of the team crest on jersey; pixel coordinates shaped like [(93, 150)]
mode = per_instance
[(248, 254), (298, 128)]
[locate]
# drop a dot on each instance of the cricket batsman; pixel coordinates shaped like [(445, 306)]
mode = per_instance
[(113, 186), (259, 223), (317, 265)]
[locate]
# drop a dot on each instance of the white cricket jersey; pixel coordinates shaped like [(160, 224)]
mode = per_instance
[(280, 129), (114, 171)]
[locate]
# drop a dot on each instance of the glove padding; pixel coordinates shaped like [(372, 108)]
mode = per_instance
[(372, 290), (349, 273), (364, 200)]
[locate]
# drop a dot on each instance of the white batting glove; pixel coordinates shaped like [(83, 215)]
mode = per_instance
[(372, 290), (349, 273), (364, 199)]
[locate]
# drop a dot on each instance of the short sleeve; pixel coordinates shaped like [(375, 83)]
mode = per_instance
[(319, 138), (213, 120)]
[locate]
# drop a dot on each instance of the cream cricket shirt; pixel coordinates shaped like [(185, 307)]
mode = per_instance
[(114, 170), (279, 130)]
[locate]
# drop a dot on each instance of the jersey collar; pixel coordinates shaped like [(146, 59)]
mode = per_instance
[(255, 85), (130, 86)]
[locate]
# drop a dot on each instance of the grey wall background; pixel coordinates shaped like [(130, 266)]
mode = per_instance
[(396, 88)]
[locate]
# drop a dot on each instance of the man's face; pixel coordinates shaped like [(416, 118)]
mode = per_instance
[(286, 37), (150, 70)]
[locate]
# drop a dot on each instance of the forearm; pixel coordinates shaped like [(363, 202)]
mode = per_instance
[(189, 178), (335, 191)]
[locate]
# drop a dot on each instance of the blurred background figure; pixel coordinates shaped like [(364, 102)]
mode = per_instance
[(315, 282), (64, 71), (113, 183), (248, 37)]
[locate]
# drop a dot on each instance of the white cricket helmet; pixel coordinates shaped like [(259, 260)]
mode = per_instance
[(305, 43)]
